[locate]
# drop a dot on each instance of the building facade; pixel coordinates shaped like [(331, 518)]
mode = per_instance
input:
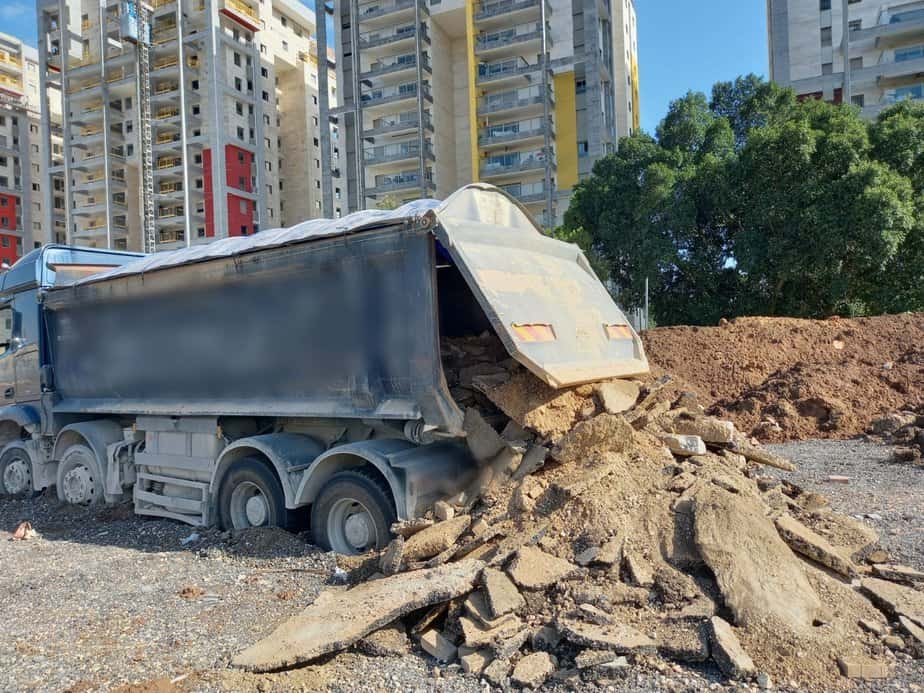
[(23, 177), (523, 94), (209, 128), (867, 53)]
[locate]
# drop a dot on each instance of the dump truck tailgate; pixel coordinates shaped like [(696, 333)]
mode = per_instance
[(542, 297)]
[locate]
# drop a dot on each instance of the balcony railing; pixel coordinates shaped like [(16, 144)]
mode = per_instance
[(10, 82), (494, 9), (505, 37), (10, 59), (513, 162), (242, 9), (168, 61), (516, 98), (394, 152), (403, 121), (526, 192), (395, 64), (169, 162), (512, 131), (387, 94), (381, 8), (399, 181), (386, 36), (506, 68), (165, 113)]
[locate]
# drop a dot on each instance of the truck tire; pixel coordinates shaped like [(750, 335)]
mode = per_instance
[(15, 472), (79, 481), (353, 513), (250, 495)]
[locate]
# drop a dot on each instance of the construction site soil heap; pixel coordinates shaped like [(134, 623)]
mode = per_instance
[(611, 526)]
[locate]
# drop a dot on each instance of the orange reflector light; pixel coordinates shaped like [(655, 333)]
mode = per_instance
[(534, 333), (618, 331)]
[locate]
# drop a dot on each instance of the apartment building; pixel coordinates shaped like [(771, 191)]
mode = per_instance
[(524, 94), (184, 121), (23, 179), (867, 53)]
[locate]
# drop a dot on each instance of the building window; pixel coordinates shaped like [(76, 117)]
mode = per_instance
[(826, 38), (240, 133), (238, 84), (583, 148), (855, 25), (824, 5), (195, 85), (827, 68), (243, 230), (264, 72), (285, 46), (858, 100), (856, 63), (266, 96), (237, 58), (239, 107)]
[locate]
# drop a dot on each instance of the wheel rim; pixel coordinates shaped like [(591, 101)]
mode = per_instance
[(17, 477), (79, 486), (249, 506), (350, 527)]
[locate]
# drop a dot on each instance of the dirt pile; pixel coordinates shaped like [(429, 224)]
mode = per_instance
[(785, 379), (905, 430), (595, 541)]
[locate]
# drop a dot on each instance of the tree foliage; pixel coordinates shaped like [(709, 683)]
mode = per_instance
[(754, 203)]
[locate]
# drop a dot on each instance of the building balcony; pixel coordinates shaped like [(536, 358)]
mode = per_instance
[(242, 13), (398, 37), (511, 69), (396, 124), (509, 10), (894, 28), (98, 229), (517, 131), (395, 66), (527, 193), (10, 83), (404, 183), (517, 39), (512, 163), (388, 11), (393, 95), (97, 161), (398, 152), (515, 101), (9, 63)]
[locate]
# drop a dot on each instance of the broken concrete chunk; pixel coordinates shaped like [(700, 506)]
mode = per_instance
[(436, 539), (483, 441), (533, 670), (917, 635), (532, 461), (895, 600), (443, 511), (478, 636), (897, 573), (862, 668), (505, 648), (611, 552), (437, 646), (618, 396), (392, 558), (587, 556), (338, 618), (407, 528), (497, 672), (757, 573), (534, 569), (684, 446), (870, 626), (475, 662), (710, 429), (545, 638), (501, 594), (390, 641), (638, 569), (476, 607), (605, 432), (727, 652), (593, 614), (803, 540), (762, 456), (586, 659), (622, 639), (686, 644)]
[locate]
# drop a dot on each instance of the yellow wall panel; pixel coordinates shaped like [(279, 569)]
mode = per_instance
[(566, 130)]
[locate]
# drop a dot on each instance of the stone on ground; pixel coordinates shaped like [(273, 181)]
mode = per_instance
[(478, 636), (684, 446), (762, 456), (496, 672), (916, 632), (803, 540), (443, 511), (437, 646), (727, 652), (476, 605), (435, 539), (533, 670), (895, 600), (483, 441), (710, 429), (534, 569), (501, 594), (618, 396), (897, 573), (862, 668), (475, 662), (393, 556), (620, 638), (390, 641), (758, 575), (638, 568), (586, 659), (338, 618)]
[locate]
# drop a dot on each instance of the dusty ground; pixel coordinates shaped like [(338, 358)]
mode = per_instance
[(108, 599), (785, 379)]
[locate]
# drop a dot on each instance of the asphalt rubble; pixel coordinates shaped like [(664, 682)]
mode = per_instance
[(903, 429), (613, 526)]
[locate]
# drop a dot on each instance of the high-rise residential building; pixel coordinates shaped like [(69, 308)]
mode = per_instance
[(524, 94), (23, 178), (867, 53), (184, 121)]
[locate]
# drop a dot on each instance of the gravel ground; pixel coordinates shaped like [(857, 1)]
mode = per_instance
[(104, 599)]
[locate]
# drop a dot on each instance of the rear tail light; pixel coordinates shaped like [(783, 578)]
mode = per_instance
[(535, 332), (619, 331)]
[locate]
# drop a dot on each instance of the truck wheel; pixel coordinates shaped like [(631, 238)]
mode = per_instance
[(250, 495), (15, 472), (353, 513), (79, 479)]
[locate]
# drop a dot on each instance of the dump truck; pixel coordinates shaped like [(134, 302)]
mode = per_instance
[(291, 377)]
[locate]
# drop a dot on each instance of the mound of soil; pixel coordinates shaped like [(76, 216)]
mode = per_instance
[(786, 379)]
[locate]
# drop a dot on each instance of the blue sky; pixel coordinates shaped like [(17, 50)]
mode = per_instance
[(685, 45), (682, 45)]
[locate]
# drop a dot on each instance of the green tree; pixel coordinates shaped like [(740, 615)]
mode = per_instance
[(750, 102)]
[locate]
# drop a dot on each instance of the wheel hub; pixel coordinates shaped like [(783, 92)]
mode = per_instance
[(358, 530), (256, 510), (17, 477), (78, 485)]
